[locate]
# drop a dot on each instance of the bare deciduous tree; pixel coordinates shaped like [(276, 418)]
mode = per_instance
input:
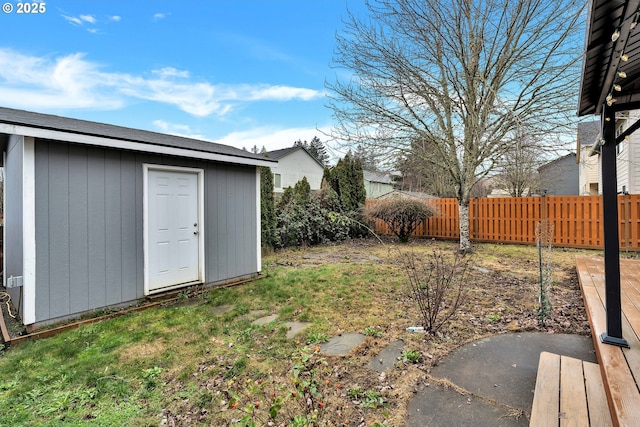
[(461, 74), (518, 168), (423, 176)]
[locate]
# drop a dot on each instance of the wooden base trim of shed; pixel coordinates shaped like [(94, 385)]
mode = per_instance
[(569, 392)]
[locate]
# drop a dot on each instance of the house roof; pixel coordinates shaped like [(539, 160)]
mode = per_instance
[(53, 127), (588, 132), (284, 152), (612, 37), (555, 161), (377, 177)]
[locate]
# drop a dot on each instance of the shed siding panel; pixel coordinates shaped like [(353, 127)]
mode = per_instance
[(128, 227), (59, 287), (113, 227), (217, 235), (13, 213), (43, 261), (78, 226), (140, 159), (96, 229)]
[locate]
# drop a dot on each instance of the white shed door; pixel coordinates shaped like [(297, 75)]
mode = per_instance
[(173, 228)]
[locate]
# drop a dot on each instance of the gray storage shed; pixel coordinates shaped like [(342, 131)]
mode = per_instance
[(99, 215)]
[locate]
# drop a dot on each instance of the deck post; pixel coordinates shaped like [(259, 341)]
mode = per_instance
[(613, 335)]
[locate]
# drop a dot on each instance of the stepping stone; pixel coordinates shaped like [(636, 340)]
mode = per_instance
[(221, 309), (257, 313), (387, 357), (341, 345), (295, 327), (264, 320)]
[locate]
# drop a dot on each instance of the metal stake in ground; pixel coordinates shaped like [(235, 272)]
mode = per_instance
[(544, 236)]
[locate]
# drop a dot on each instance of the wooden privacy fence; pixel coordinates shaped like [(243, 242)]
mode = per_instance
[(577, 220)]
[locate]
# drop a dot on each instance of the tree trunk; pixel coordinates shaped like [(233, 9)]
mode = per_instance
[(465, 238)]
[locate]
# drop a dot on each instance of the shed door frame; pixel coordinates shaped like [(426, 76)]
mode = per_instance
[(145, 212)]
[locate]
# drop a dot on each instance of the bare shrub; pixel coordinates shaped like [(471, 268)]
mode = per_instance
[(437, 286), (402, 216)]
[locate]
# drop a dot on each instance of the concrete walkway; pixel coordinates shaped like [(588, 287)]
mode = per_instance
[(499, 373)]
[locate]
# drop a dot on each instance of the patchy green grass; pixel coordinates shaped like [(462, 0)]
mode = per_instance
[(183, 364)]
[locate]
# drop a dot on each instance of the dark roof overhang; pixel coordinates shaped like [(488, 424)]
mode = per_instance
[(611, 67)]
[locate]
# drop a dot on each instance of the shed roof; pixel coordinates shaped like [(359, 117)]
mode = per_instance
[(53, 127)]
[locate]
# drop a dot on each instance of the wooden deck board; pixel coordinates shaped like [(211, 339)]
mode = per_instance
[(573, 396), (619, 367), (546, 404), (596, 397)]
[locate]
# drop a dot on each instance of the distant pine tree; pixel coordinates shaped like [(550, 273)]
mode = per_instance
[(316, 148)]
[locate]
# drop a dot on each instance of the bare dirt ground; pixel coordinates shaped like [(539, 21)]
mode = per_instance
[(503, 282)]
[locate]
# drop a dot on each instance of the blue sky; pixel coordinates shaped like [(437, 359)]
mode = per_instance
[(238, 72)]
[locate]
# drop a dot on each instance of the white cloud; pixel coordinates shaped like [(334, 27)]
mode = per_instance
[(80, 20), (115, 18), (283, 93), (88, 18), (73, 20), (68, 81), (195, 98), (74, 82), (178, 129), (171, 72), (158, 16)]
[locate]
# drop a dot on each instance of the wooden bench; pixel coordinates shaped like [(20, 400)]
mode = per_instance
[(569, 392)]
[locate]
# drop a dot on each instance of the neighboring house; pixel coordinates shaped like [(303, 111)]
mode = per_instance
[(376, 184), (294, 163), (627, 155), (99, 215), (588, 165), (400, 194), (501, 192), (559, 177)]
